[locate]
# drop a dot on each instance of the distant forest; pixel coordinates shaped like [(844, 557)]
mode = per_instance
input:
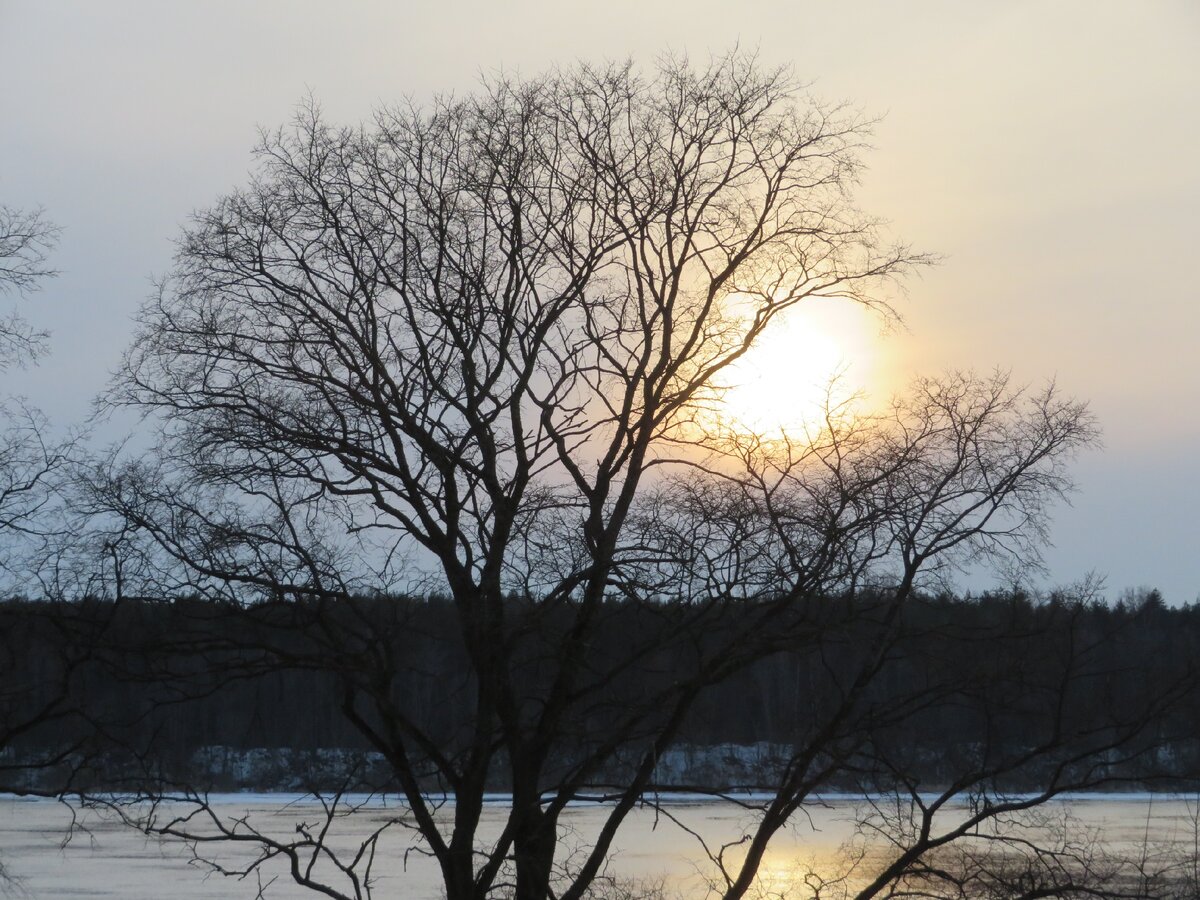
[(104, 694)]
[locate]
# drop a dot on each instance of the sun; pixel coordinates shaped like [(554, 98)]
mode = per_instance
[(806, 358)]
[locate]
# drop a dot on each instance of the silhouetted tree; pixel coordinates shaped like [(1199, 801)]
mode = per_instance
[(26, 239), (34, 703), (27, 458), (483, 343)]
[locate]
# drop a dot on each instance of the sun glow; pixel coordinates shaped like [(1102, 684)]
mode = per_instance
[(806, 358)]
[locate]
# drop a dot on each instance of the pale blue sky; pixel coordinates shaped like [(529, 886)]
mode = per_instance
[(1048, 150)]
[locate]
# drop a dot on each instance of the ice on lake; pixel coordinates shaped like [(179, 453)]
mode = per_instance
[(107, 859)]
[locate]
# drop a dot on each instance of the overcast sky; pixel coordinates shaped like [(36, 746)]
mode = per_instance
[(1050, 151)]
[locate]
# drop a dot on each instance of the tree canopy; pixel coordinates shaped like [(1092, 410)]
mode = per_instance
[(476, 347)]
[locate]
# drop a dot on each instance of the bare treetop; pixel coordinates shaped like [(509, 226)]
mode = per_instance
[(530, 285), (492, 329), (26, 239)]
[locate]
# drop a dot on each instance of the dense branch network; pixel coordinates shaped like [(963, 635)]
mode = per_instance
[(479, 339)]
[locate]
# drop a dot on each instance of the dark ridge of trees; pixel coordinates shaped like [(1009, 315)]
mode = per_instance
[(143, 692)]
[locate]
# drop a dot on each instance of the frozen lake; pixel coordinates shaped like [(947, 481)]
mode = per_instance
[(111, 860)]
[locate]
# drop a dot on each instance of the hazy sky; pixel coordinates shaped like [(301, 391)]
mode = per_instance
[(1050, 151)]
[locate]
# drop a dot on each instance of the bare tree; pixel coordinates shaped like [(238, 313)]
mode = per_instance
[(28, 459), (26, 239), (33, 705), (482, 342)]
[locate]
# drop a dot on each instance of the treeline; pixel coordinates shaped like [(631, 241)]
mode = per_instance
[(102, 694)]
